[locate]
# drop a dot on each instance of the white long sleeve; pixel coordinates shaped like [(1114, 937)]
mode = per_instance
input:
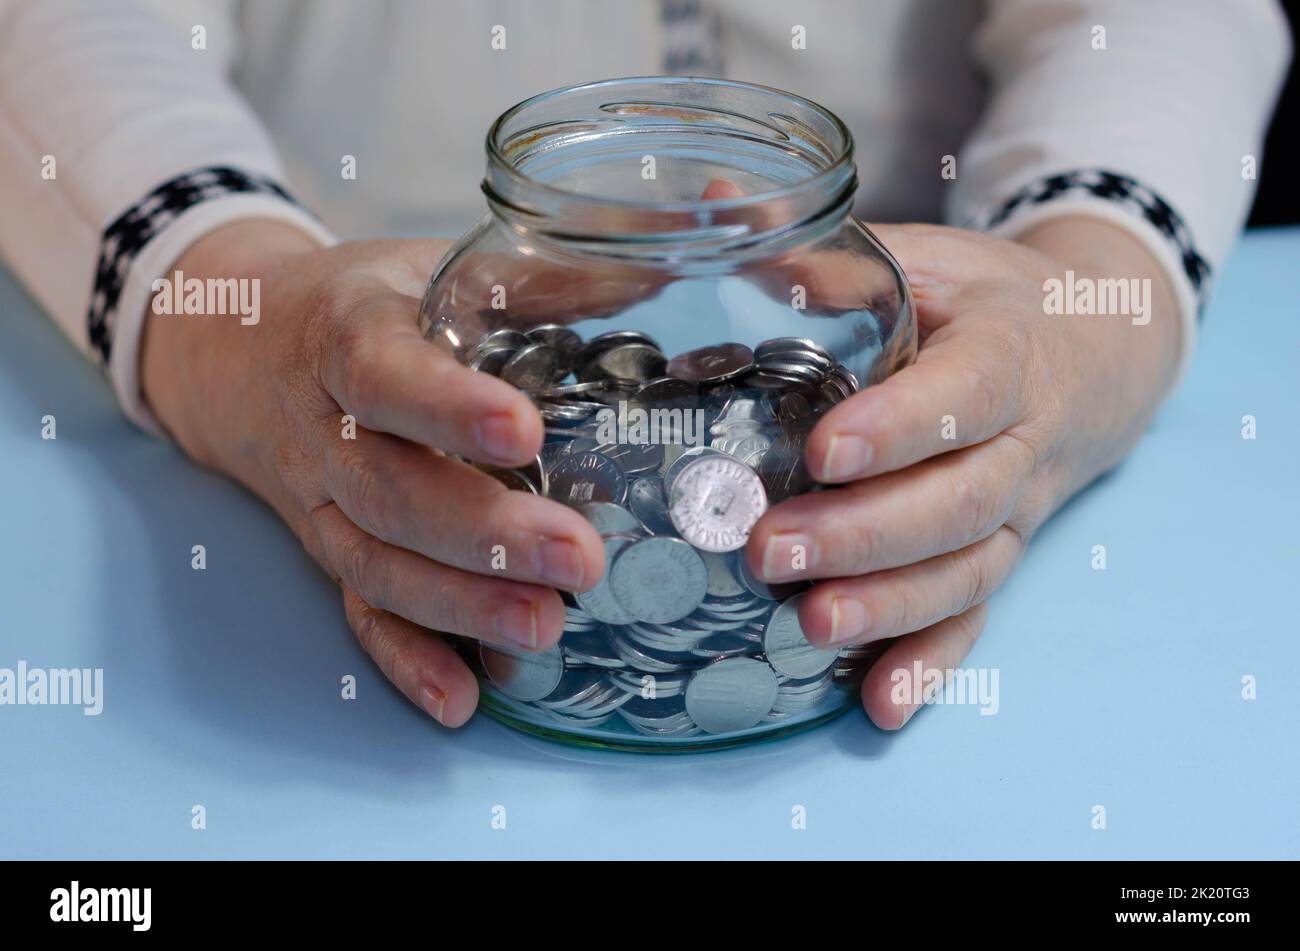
[(1152, 132), (154, 146), (100, 104)]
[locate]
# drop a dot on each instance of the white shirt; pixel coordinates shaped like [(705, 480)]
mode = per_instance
[(1174, 94)]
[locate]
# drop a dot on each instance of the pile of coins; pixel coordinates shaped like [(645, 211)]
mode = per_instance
[(673, 461)]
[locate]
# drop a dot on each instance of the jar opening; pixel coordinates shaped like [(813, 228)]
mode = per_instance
[(623, 165)]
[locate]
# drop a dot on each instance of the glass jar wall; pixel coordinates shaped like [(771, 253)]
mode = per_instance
[(669, 268)]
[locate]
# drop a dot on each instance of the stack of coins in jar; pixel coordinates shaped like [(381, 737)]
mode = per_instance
[(679, 354)]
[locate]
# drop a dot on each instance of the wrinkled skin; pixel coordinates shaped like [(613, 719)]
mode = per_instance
[(921, 531)]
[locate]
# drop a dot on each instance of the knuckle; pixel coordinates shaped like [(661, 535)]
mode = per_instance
[(355, 355), (365, 623), (907, 610), (983, 394), (454, 606), (974, 583), (361, 566), (376, 637), (974, 506), (370, 496), (863, 543), (1035, 506)]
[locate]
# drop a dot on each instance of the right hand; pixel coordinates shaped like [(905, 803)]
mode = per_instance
[(407, 532)]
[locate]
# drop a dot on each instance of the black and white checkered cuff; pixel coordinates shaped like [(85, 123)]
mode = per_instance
[(1128, 194), (131, 231)]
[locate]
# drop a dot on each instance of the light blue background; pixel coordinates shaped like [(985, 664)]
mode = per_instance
[(1118, 687)]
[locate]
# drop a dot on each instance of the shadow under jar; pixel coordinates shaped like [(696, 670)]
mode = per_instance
[(669, 268)]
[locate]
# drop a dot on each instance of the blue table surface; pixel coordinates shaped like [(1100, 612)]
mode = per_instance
[(1120, 688)]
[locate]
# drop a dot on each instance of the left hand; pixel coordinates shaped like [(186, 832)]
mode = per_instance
[(924, 528)]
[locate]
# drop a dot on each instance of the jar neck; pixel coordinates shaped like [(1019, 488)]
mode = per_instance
[(570, 168)]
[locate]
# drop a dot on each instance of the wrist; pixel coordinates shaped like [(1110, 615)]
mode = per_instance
[(193, 364), (1113, 369), (1146, 342)]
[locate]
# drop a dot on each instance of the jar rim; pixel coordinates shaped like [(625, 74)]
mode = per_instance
[(833, 176)]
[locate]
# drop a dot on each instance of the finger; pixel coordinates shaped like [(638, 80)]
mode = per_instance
[(942, 646), (411, 497), (936, 506), (379, 368), (961, 391), (494, 610), (902, 600), (418, 662), (936, 257), (719, 189)]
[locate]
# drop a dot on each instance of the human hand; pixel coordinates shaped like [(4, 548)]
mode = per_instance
[(406, 531), (946, 469)]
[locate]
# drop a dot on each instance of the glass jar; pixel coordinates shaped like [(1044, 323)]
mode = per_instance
[(669, 267)]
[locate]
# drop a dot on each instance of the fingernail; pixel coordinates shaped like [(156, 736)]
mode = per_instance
[(559, 563), (517, 622), (847, 457), (788, 555), (849, 619), (498, 437), (433, 700)]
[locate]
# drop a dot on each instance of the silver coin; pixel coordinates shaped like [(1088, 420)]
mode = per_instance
[(788, 650), (712, 365), (605, 342), (745, 447), (794, 348), (581, 443), (520, 674), (568, 389), (504, 339), (610, 519), (683, 632), (600, 602), (835, 389), (563, 413), (723, 582), (715, 502), (847, 377), (531, 367), (646, 499), (732, 694), (665, 391), (587, 477), (649, 637), (783, 470), (747, 408), (675, 463), (581, 722), (632, 362), (745, 608), (650, 686), (657, 717), (589, 649), (635, 458), (794, 372), (722, 645), (575, 689), (492, 361), (561, 339), (642, 658), (659, 579)]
